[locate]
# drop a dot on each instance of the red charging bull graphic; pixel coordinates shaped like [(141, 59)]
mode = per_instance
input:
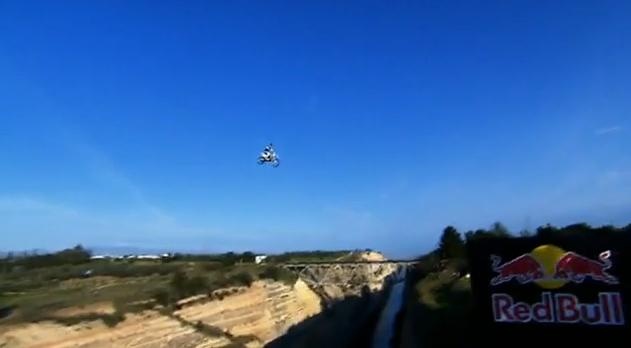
[(576, 268), (550, 264), (551, 267), (524, 269)]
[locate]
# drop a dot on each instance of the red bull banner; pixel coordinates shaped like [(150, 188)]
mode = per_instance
[(560, 308), (524, 287)]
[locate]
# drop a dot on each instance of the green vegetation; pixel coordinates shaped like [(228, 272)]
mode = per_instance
[(308, 256), (243, 278), (578, 230), (198, 280), (213, 331), (451, 244), (278, 274), (445, 304), (226, 259), (183, 286), (73, 256), (37, 287), (209, 330), (108, 319), (43, 302), (451, 249), (497, 230), (439, 300), (18, 279)]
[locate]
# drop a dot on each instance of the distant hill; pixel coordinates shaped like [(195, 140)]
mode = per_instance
[(4, 253), (126, 250)]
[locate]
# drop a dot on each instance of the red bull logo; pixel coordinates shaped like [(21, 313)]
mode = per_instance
[(576, 268), (551, 267), (524, 269), (560, 308)]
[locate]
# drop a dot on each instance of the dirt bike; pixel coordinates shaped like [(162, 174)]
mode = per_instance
[(269, 158)]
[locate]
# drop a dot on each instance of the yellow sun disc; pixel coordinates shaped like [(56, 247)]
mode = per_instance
[(548, 255)]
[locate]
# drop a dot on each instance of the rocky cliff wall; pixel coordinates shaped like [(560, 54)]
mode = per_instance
[(339, 281), (246, 317)]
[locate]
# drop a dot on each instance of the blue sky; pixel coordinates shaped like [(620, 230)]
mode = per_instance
[(138, 123)]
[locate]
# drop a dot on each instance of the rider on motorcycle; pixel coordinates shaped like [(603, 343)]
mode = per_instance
[(268, 152), (269, 156)]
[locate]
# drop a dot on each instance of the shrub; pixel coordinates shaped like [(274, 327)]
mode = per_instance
[(123, 270), (179, 282), (248, 256), (211, 266), (109, 319), (162, 297), (242, 278), (209, 330), (197, 285), (219, 281), (184, 286), (113, 319), (269, 272), (73, 256), (278, 274)]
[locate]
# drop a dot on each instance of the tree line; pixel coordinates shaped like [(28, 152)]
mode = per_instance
[(228, 259), (80, 255), (453, 245), (71, 256)]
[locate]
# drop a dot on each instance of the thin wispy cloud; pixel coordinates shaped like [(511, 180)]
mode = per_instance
[(103, 167), (608, 130), (615, 176), (34, 214), (33, 218), (24, 204)]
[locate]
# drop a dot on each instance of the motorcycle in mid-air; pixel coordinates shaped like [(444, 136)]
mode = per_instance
[(269, 156)]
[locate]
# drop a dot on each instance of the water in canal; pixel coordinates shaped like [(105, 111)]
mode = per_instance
[(384, 332)]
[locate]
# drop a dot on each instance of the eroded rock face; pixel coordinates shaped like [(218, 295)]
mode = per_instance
[(148, 329), (341, 281), (249, 316), (266, 310), (336, 281), (351, 290)]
